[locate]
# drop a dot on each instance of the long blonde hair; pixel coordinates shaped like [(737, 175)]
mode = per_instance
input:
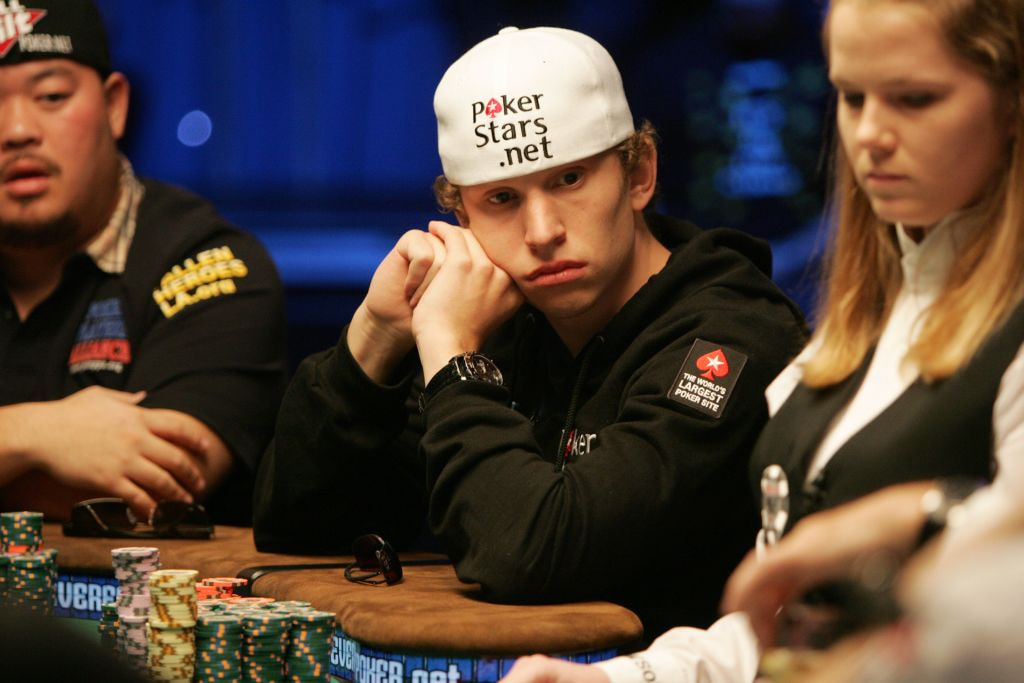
[(862, 271)]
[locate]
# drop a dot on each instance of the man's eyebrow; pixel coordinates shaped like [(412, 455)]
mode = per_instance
[(52, 71)]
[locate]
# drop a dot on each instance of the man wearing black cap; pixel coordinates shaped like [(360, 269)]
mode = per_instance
[(141, 336)]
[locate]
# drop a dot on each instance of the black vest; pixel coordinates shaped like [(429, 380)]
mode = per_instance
[(931, 430)]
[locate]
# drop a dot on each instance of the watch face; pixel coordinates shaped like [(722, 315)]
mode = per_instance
[(481, 367)]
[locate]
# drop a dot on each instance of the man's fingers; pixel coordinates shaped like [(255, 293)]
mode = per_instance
[(427, 268), (177, 428), (461, 243), (138, 500), (134, 398), (415, 278), (175, 461), (454, 239), (158, 481), (129, 397), (416, 249)]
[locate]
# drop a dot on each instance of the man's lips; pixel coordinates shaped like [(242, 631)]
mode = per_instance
[(26, 176), (556, 272)]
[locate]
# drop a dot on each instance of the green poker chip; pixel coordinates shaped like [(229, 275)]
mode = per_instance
[(31, 580), (21, 532)]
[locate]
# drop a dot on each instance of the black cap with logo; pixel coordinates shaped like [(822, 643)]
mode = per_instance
[(53, 29)]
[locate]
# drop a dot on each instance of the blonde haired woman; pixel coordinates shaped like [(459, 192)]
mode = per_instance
[(915, 372)]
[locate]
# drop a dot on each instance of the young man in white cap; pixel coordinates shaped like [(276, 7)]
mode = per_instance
[(593, 375), (141, 336)]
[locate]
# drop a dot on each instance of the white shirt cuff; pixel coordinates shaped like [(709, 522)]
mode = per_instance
[(725, 653)]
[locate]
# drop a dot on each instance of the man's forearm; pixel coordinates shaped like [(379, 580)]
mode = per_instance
[(17, 455), (40, 492)]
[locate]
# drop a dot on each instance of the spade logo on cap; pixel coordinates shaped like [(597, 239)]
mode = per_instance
[(493, 108), (15, 22)]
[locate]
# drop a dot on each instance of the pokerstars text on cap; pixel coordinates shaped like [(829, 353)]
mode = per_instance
[(527, 100)]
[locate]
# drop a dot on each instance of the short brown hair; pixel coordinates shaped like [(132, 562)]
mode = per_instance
[(630, 151)]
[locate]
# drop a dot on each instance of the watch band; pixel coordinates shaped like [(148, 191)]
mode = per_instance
[(470, 366)]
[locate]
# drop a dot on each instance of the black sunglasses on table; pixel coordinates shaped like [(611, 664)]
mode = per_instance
[(376, 564), (113, 518), (375, 561)]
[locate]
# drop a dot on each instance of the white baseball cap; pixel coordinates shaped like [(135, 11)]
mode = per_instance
[(526, 100)]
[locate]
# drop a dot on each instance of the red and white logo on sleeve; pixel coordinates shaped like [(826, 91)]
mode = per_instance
[(707, 377), (714, 364)]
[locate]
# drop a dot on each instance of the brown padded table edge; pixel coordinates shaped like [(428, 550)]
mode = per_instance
[(430, 611)]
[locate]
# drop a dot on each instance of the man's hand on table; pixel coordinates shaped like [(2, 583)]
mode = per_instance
[(98, 439)]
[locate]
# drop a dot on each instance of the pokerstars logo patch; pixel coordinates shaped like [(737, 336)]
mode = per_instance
[(513, 123), (707, 377), (16, 21), (101, 343)]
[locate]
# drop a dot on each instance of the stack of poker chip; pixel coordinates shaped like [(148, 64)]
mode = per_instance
[(27, 584), (218, 646), (172, 619), (206, 592), (242, 603), (212, 606), (306, 635), (219, 587), (132, 643), (107, 626), (21, 532), (172, 654), (264, 644), (132, 567), (309, 646), (32, 580)]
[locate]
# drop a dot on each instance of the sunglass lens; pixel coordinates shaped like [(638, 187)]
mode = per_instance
[(185, 518), (390, 567), (365, 550), (115, 514)]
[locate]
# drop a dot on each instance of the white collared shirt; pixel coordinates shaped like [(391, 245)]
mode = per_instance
[(925, 267), (728, 651)]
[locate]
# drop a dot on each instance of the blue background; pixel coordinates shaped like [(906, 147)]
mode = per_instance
[(310, 122)]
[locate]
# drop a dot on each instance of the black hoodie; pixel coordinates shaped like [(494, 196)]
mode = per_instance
[(651, 509)]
